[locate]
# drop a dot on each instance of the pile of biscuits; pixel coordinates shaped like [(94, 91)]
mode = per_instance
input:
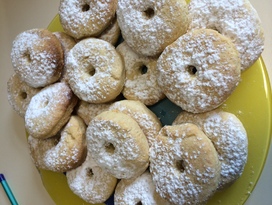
[(84, 95)]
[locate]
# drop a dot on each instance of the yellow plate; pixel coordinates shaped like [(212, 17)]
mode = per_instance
[(250, 102)]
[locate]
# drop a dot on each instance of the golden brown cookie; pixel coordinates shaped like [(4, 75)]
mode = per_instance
[(19, 94), (118, 145), (62, 152), (141, 76), (200, 70), (37, 57), (85, 18), (95, 71), (184, 165), (237, 20), (229, 137), (90, 182), (149, 26), (49, 110)]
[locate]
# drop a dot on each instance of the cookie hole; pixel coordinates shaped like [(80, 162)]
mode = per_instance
[(192, 69), (139, 203), (27, 57), (149, 13), (109, 147), (85, 7), (180, 165), (89, 172), (91, 72), (143, 69), (23, 95)]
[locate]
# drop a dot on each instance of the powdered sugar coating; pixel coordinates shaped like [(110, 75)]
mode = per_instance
[(87, 111), (237, 20), (37, 57), (85, 18), (199, 71), (95, 71), (140, 190), (148, 26), (117, 144), (90, 182), (229, 137), (112, 33), (140, 85), (184, 165), (49, 110), (19, 94), (146, 119), (67, 43), (62, 152)]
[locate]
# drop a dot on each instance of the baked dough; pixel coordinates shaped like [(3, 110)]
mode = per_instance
[(95, 71), (140, 190), (229, 137), (149, 26), (86, 18), (118, 145), (184, 165), (90, 182), (49, 110), (199, 71), (37, 57), (62, 152), (141, 76), (235, 19), (19, 94)]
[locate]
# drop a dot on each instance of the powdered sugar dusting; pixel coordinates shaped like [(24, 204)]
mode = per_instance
[(147, 121), (95, 71), (138, 190), (149, 36), (229, 138), (90, 182), (140, 85), (214, 78), (184, 166), (237, 20), (84, 18), (117, 144), (47, 108), (37, 57)]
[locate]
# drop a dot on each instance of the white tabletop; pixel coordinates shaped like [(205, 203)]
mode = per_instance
[(20, 15)]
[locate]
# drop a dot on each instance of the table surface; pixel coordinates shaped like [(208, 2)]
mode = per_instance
[(20, 15)]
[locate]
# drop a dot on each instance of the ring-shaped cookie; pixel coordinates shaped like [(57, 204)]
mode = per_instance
[(199, 71), (148, 26), (236, 19), (95, 71), (37, 57), (49, 110), (19, 94), (90, 182), (117, 144), (184, 165), (86, 18), (146, 119), (141, 76), (229, 137), (140, 190), (63, 152)]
